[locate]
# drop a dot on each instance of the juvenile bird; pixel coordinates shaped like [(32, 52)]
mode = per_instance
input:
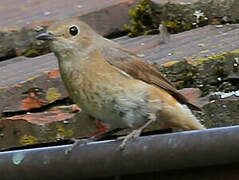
[(113, 85)]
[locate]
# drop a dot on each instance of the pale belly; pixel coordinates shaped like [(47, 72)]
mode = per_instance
[(113, 105)]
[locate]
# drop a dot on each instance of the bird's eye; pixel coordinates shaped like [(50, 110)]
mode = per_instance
[(73, 30)]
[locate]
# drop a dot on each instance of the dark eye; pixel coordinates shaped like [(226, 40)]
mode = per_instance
[(73, 30)]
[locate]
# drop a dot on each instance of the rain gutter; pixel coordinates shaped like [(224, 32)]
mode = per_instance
[(104, 159)]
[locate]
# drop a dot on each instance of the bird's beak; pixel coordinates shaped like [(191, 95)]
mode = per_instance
[(46, 36)]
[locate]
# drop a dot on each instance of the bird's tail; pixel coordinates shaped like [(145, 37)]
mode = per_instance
[(181, 117)]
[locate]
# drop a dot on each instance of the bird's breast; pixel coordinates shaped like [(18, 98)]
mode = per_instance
[(106, 93)]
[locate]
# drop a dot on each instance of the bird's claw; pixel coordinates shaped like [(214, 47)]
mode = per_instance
[(134, 134), (77, 142)]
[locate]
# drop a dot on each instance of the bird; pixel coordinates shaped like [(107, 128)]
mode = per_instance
[(113, 84)]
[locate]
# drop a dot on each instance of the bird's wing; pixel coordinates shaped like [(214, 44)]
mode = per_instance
[(135, 67)]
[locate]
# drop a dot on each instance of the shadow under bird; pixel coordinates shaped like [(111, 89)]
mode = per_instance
[(113, 85)]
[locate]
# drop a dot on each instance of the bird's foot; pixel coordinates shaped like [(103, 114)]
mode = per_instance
[(134, 134), (77, 142)]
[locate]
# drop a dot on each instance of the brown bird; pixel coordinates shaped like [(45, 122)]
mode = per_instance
[(113, 85)]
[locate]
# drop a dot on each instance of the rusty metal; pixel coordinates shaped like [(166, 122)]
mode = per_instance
[(145, 154)]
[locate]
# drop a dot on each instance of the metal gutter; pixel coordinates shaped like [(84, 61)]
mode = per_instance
[(103, 159)]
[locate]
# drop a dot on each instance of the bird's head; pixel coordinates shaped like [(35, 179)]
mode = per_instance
[(67, 35)]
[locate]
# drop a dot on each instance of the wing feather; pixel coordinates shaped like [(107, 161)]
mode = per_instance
[(137, 68)]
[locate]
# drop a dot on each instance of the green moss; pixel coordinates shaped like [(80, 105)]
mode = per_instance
[(147, 16), (235, 51), (178, 17), (62, 132), (216, 57), (219, 70), (52, 94), (27, 140), (142, 19), (32, 53), (215, 73), (177, 25), (32, 78), (170, 63)]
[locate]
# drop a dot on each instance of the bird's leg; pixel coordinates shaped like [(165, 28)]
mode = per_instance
[(135, 133), (80, 141), (102, 132)]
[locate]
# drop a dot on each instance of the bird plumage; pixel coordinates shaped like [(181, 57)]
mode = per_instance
[(114, 85)]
